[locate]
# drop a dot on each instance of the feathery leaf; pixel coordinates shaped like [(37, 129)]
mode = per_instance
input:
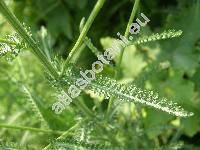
[(157, 36), (34, 106), (172, 146), (11, 46), (12, 145), (70, 143), (130, 93)]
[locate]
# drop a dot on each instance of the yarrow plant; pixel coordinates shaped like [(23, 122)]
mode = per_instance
[(69, 80), (97, 67)]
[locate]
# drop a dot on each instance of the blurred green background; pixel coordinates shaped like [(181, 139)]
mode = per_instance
[(180, 81)]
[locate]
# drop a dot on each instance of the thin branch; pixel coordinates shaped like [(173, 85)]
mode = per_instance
[(32, 43), (15, 23), (84, 31), (135, 6)]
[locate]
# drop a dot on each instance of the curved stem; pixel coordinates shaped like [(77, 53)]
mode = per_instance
[(33, 44), (15, 23), (135, 6), (84, 31), (134, 10)]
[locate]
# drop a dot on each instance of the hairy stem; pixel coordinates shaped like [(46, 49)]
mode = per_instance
[(84, 31), (14, 22), (30, 41), (30, 129), (135, 6)]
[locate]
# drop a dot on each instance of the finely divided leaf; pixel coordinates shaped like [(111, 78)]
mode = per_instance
[(130, 93), (158, 36), (34, 106)]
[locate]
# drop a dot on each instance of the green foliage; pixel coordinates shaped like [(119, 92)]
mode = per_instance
[(109, 87), (33, 105), (11, 46), (165, 35), (71, 143), (10, 145), (157, 69)]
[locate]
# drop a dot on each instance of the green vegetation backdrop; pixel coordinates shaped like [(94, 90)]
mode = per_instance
[(170, 67)]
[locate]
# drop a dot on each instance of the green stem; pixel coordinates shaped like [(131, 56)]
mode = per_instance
[(30, 129), (14, 22), (84, 31), (78, 53), (29, 40), (135, 6), (134, 10)]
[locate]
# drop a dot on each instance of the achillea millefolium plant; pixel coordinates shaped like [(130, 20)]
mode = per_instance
[(147, 97)]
